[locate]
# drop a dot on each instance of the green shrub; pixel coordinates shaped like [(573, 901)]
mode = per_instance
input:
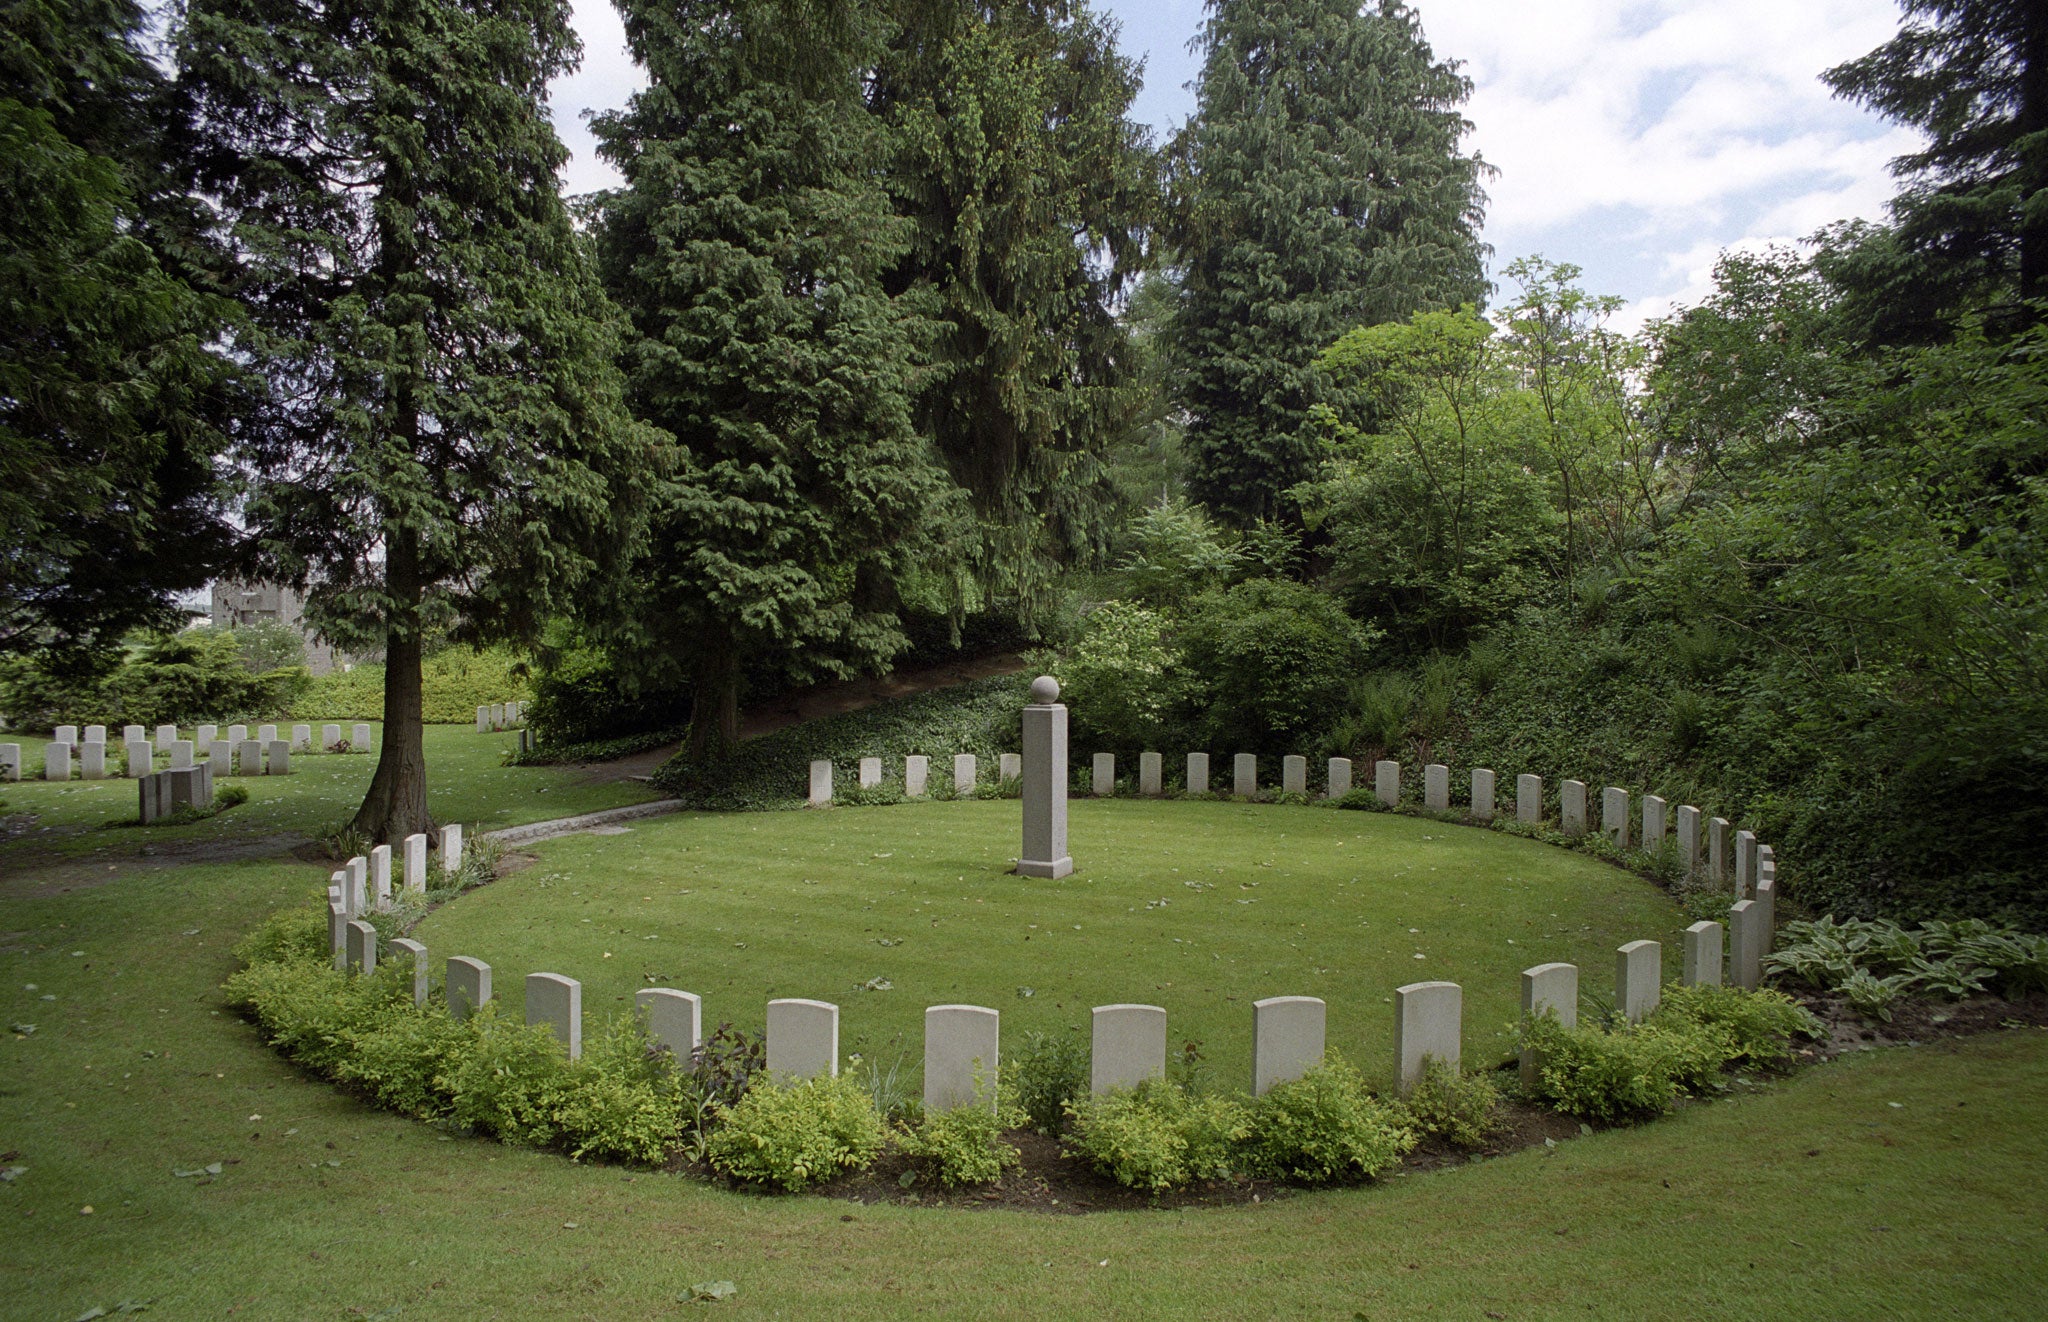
[(1874, 963), (454, 682), (401, 1057), (1325, 1127), (1274, 660), (1596, 1074), (714, 1079), (964, 1145), (514, 1081), (624, 1100), (1050, 1071), (294, 934), (1760, 1024), (1157, 1135), (1447, 1103), (1122, 680), (793, 1135), (1869, 995)]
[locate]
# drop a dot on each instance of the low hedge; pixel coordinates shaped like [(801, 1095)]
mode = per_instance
[(454, 682)]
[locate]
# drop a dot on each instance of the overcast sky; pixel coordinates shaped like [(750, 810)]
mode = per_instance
[(1636, 140)]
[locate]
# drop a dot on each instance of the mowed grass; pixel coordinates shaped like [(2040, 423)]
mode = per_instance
[(1199, 907), (466, 782), (1905, 1183)]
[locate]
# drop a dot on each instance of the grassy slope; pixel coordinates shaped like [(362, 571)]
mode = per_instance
[(1302, 901), (465, 783), (1816, 1197)]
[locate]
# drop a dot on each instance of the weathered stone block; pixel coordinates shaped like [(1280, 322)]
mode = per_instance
[(415, 955), (1009, 766), (469, 986), (1689, 839), (451, 847), (92, 761), (359, 738), (960, 1056), (1717, 848), (1287, 1039), (965, 773), (1638, 978), (1244, 775), (1654, 822), (821, 782), (1429, 1021), (1614, 816), (1482, 794), (362, 947), (57, 761), (803, 1038), (557, 1001), (675, 1020), (1436, 787), (1151, 775), (1198, 773), (380, 876), (1703, 955), (1102, 775), (917, 774), (1529, 799), (1340, 777), (1386, 781), (277, 758), (1293, 775), (1553, 989), (1127, 1045), (1571, 807)]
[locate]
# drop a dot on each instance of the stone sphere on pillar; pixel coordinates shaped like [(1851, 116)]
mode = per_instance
[(1045, 689)]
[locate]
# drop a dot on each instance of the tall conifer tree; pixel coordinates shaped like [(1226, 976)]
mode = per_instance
[(443, 429), (748, 245), (1319, 187)]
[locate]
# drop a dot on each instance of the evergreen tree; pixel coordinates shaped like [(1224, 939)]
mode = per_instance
[(1319, 187), (442, 430), (748, 246), (108, 500), (1031, 195), (1972, 224)]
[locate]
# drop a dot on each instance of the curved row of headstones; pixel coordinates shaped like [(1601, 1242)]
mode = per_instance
[(1127, 1041), (364, 882), (499, 716), (239, 753), (1719, 849)]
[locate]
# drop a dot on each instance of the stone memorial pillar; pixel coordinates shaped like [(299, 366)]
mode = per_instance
[(1045, 784)]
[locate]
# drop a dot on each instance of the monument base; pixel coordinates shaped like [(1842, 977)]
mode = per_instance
[(1059, 867)]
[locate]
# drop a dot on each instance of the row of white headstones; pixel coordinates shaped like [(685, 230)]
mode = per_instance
[(238, 753), (499, 716)]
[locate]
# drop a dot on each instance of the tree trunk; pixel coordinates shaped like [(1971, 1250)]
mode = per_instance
[(714, 707), (396, 804)]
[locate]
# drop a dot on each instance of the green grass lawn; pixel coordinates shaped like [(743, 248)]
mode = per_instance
[(1905, 1183), (466, 782), (1199, 907)]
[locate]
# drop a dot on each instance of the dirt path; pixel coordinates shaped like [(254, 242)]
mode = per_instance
[(831, 699)]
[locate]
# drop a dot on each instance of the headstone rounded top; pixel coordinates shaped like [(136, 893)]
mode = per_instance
[(1045, 689)]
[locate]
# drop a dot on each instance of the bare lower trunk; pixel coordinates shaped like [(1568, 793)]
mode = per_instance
[(714, 709), (396, 804)]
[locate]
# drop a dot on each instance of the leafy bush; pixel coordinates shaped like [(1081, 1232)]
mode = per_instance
[(1157, 1135), (294, 934), (716, 1076), (186, 677), (624, 1100), (964, 1145), (1325, 1127), (1274, 662), (1049, 1072), (1448, 1103), (454, 682), (1122, 680), (512, 1082), (580, 696), (1760, 1024), (793, 1135), (1596, 1074), (404, 1056), (1874, 963)]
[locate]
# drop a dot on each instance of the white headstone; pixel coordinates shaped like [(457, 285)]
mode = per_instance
[(57, 761), (483, 720), (1717, 848), (1386, 781), (803, 1038), (451, 847), (95, 734), (92, 761), (1151, 775), (917, 770), (302, 738), (139, 761), (1198, 773), (166, 735), (1614, 815), (1482, 794), (358, 870), (497, 716), (1102, 775), (1244, 775), (1340, 777), (1436, 787), (965, 773), (1127, 1046), (67, 735), (1745, 944), (415, 954), (1552, 988), (220, 755), (248, 758), (202, 738), (960, 1056), (1529, 799), (1745, 862), (1009, 766), (1703, 955), (337, 933), (1045, 784), (416, 863), (10, 762), (330, 735), (1688, 839), (1429, 1022), (181, 754), (675, 1020), (277, 760), (821, 782), (1571, 807), (237, 733), (1654, 823), (870, 772), (359, 741), (135, 733), (1638, 978), (1293, 774), (557, 1001), (1766, 898), (266, 733), (362, 947), (1287, 1039), (380, 876), (469, 986)]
